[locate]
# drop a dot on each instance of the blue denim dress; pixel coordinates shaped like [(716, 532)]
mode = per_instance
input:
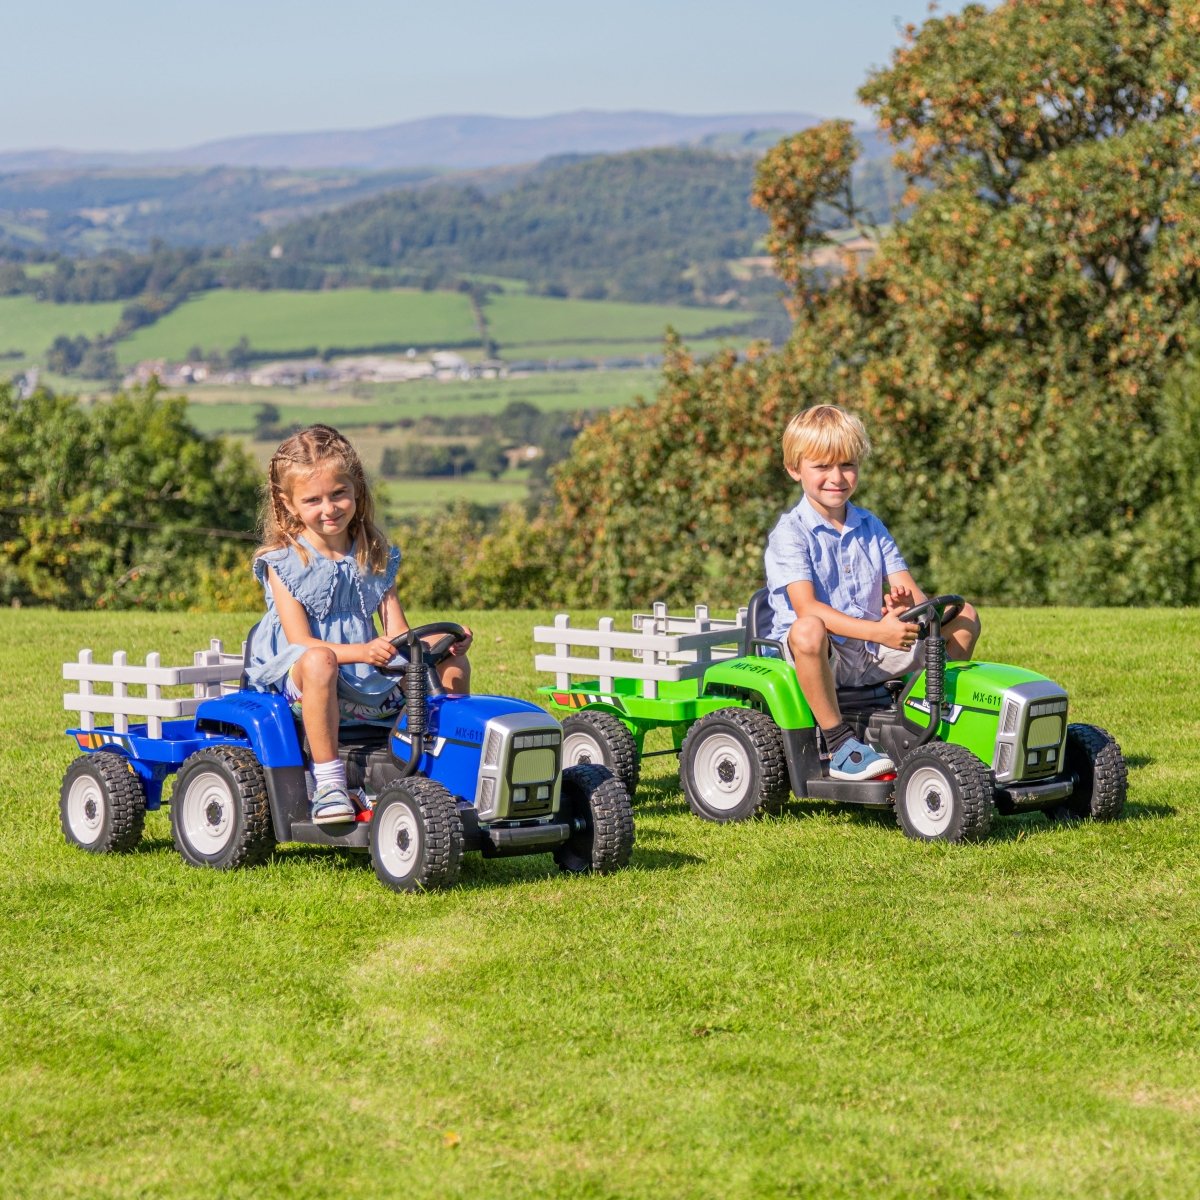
[(340, 601)]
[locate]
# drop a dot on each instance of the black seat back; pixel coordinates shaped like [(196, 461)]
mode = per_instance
[(759, 619)]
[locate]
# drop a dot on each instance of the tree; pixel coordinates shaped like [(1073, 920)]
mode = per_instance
[(1010, 345)]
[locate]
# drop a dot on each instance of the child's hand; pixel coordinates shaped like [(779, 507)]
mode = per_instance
[(899, 598), (462, 647), (891, 631), (378, 652)]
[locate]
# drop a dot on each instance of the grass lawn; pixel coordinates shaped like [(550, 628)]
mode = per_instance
[(279, 321), (805, 1006), (30, 326)]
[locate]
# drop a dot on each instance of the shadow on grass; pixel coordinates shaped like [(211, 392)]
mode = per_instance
[(1137, 761), (480, 873), (660, 796), (155, 845), (1005, 828)]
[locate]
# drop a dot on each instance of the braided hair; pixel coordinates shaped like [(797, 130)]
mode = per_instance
[(319, 448)]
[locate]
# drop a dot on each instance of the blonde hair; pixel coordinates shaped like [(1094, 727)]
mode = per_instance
[(824, 434), (319, 448)]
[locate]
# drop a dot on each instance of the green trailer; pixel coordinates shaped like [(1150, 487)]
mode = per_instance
[(968, 738)]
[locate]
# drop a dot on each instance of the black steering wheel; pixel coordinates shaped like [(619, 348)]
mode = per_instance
[(433, 653), (946, 607)]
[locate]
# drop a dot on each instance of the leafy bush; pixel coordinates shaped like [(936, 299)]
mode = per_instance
[(119, 505)]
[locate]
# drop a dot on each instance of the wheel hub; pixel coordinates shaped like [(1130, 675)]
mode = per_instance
[(722, 772), (89, 809), (399, 834), (206, 817), (928, 798)]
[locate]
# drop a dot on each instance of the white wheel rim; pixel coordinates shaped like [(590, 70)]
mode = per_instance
[(86, 803), (580, 749), (722, 772), (929, 801), (399, 839), (207, 812)]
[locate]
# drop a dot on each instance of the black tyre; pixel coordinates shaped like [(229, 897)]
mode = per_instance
[(1094, 758), (220, 816), (732, 766), (944, 794), (102, 805), (416, 836), (597, 804), (592, 736)]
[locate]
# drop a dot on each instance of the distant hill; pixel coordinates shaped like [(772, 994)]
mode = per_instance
[(644, 225), (92, 211), (662, 225), (455, 142)]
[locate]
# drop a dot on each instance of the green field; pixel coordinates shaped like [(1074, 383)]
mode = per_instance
[(233, 410), (520, 323), (808, 1006), (286, 322), (401, 497), (651, 347), (30, 326)]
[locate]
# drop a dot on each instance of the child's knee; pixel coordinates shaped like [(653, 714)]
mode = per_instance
[(318, 664), (808, 636), (970, 617)]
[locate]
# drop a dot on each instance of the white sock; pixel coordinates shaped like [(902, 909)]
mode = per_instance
[(330, 772)]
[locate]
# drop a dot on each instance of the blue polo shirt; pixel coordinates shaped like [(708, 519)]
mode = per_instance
[(847, 567)]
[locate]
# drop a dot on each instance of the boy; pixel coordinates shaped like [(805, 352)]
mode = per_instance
[(827, 562)]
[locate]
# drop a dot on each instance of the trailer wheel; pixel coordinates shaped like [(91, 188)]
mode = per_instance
[(597, 804), (1093, 756), (732, 766), (220, 816), (944, 794), (102, 804), (416, 836), (592, 736)]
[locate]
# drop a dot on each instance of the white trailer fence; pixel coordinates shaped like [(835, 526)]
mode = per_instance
[(662, 648), (213, 672)]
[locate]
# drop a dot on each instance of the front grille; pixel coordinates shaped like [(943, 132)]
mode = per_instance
[(1029, 738), (533, 766), (519, 775), (1043, 732)]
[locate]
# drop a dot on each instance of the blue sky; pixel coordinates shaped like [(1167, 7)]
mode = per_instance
[(137, 75)]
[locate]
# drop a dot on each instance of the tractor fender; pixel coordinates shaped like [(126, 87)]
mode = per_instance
[(770, 682), (265, 718)]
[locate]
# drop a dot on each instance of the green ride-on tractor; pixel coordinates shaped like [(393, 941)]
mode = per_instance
[(968, 738)]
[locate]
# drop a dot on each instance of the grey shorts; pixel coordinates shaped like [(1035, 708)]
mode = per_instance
[(860, 664)]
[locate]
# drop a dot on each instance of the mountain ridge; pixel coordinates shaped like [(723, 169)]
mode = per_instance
[(455, 141)]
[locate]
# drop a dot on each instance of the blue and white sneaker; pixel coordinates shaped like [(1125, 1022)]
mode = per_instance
[(331, 805), (856, 760)]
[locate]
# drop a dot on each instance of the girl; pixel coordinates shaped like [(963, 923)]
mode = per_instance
[(326, 570)]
